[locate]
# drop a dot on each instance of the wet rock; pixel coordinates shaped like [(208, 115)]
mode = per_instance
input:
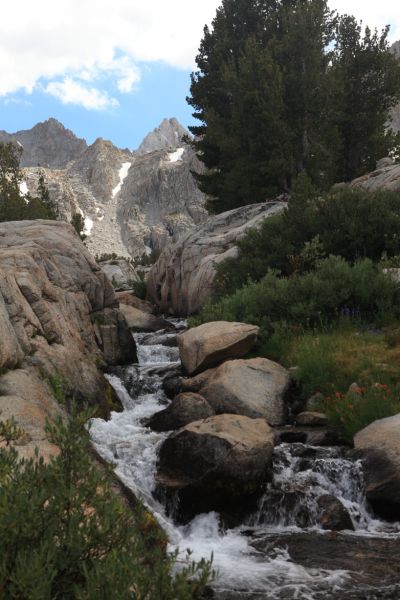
[(216, 463), (184, 409), (314, 436), (142, 321), (312, 419), (172, 385), (372, 564), (252, 388), (159, 339), (212, 343), (334, 515), (379, 444)]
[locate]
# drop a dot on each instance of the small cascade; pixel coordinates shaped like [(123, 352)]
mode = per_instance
[(278, 554), (302, 474)]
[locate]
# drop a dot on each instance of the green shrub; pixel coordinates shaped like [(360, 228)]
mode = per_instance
[(140, 289), (358, 408), (64, 533), (334, 289), (351, 223)]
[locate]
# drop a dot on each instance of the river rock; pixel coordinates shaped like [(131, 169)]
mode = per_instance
[(181, 281), (252, 388), (379, 444), (334, 515), (184, 409), (139, 320), (212, 343), (216, 463), (312, 419)]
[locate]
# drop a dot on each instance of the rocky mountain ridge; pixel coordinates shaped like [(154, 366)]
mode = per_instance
[(132, 203), (48, 144)]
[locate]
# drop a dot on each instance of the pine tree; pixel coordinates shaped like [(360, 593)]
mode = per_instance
[(285, 86), (14, 205), (366, 76)]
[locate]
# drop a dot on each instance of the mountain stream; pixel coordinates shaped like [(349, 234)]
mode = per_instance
[(280, 552)]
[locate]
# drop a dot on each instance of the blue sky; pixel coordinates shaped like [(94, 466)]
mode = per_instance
[(160, 93), (113, 70)]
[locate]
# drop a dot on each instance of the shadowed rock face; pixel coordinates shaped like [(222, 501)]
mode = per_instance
[(48, 144), (182, 279)]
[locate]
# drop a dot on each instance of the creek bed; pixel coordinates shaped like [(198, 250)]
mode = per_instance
[(280, 552)]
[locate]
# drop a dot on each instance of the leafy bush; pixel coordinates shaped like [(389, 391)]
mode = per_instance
[(358, 408), (334, 289), (64, 534), (351, 223)]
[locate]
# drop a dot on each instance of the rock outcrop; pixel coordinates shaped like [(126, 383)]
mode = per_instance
[(47, 144), (216, 463), (159, 200), (212, 343), (58, 313), (253, 388), (379, 444), (181, 281), (386, 178)]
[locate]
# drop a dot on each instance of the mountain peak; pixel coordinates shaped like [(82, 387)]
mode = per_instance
[(48, 144), (168, 135)]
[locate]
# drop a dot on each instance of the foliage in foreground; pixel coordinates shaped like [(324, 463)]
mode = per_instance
[(361, 406), (64, 534)]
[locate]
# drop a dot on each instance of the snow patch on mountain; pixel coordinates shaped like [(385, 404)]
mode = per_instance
[(176, 156), (123, 172)]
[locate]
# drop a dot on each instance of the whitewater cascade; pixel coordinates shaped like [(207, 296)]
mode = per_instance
[(255, 560)]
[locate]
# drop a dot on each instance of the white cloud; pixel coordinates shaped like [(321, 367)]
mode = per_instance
[(69, 91), (81, 41)]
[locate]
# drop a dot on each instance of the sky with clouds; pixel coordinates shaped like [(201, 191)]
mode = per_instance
[(114, 69)]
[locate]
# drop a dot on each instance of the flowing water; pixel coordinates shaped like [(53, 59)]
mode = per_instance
[(281, 551)]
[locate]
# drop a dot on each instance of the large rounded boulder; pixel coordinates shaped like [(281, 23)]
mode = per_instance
[(253, 388), (212, 343), (216, 463), (379, 445)]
